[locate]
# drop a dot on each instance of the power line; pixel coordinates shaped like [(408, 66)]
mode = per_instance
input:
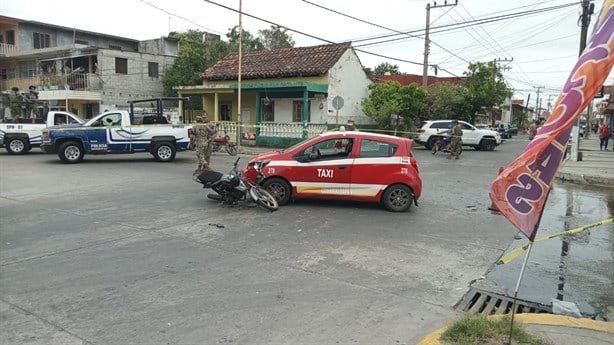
[(180, 17), (308, 35)]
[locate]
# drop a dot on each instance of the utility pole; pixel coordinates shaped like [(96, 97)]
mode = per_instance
[(497, 63), (427, 42), (537, 100), (585, 19), (587, 10)]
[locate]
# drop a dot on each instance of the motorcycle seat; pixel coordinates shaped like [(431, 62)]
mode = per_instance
[(209, 176)]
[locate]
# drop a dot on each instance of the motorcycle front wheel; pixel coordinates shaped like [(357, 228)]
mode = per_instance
[(231, 149), (263, 198)]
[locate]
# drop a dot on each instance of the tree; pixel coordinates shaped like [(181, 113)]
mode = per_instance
[(249, 42), (275, 38), (190, 62), (486, 85), (389, 99), (447, 101), (386, 67)]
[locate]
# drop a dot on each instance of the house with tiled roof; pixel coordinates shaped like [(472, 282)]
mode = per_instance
[(284, 93)]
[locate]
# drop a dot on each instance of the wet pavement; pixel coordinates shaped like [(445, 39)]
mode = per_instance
[(573, 268)]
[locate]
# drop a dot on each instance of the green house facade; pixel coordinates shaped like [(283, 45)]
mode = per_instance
[(285, 94)]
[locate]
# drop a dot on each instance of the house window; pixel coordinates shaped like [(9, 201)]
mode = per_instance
[(121, 65), (114, 47), (226, 112), (78, 41), (152, 69), (10, 37), (41, 40), (297, 111), (268, 109)]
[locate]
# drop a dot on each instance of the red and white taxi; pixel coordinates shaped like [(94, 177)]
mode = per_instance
[(343, 166)]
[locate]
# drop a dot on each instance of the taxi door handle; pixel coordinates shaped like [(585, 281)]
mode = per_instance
[(342, 167)]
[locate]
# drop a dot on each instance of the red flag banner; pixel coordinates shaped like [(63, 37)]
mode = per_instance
[(521, 189)]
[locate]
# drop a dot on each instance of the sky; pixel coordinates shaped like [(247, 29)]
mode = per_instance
[(537, 42)]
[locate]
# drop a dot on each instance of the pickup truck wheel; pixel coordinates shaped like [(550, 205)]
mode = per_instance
[(398, 198), (487, 144), (17, 146), (71, 152), (164, 152)]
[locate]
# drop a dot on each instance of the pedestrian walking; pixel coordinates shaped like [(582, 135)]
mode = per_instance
[(604, 135), (532, 131), (201, 140), (456, 143)]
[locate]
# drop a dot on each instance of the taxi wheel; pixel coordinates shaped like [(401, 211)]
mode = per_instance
[(280, 189), (397, 198)]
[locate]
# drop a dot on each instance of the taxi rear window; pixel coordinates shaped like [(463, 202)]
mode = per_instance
[(374, 148)]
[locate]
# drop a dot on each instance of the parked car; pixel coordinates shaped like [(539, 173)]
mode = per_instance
[(507, 130), (480, 139), (343, 165)]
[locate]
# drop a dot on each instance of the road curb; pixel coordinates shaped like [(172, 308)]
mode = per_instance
[(538, 319)]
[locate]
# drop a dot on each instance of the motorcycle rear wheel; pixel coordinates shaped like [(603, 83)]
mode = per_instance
[(264, 198)]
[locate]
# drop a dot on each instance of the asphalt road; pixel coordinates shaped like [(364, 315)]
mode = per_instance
[(123, 250)]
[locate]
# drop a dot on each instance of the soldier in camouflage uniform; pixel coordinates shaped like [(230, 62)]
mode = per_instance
[(457, 141), (16, 101), (201, 140)]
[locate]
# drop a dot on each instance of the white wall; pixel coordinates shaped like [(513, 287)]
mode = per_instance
[(348, 80)]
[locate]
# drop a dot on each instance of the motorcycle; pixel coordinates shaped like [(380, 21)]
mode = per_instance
[(441, 144), (219, 142), (233, 187)]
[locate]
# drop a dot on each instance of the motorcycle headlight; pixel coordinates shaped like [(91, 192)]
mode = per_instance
[(242, 186)]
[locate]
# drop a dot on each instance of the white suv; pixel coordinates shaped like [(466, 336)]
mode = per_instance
[(480, 139)]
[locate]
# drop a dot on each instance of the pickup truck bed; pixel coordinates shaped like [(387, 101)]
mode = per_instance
[(19, 137)]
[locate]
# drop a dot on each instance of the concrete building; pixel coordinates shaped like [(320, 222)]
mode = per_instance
[(76, 70)]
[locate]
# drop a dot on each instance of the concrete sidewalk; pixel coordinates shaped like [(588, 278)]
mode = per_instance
[(595, 168)]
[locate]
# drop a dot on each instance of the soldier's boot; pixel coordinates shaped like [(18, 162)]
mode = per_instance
[(206, 167), (198, 170)]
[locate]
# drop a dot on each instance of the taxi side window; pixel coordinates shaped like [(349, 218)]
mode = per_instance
[(374, 148)]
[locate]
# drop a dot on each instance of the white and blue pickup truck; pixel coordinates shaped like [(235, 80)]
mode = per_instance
[(21, 136), (117, 132)]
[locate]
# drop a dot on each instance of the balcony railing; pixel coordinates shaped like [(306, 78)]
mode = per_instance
[(76, 81), (8, 49)]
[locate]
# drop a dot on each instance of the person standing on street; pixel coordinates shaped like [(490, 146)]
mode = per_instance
[(352, 126), (201, 140), (456, 142), (604, 136)]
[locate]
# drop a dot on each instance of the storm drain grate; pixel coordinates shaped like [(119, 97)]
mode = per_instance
[(487, 303)]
